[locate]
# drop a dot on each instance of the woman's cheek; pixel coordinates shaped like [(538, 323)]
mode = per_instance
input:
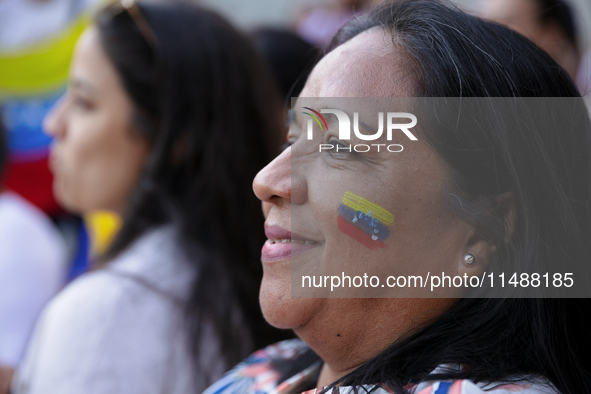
[(72, 181), (85, 175)]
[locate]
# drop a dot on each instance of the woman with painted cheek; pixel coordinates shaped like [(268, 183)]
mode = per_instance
[(168, 116), (459, 200)]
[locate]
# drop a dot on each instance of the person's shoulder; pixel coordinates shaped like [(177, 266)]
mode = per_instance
[(102, 301), (108, 334), (158, 262), (97, 324), (139, 286), (257, 373)]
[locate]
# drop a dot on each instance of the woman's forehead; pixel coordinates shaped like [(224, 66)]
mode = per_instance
[(368, 65), (91, 64)]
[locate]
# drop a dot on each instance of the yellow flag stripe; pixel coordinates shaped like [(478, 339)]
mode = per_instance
[(102, 227), (41, 68), (357, 203)]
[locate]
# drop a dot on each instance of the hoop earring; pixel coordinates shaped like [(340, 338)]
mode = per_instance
[(469, 259)]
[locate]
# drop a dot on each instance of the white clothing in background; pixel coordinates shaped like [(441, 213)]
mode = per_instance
[(24, 23), (120, 329), (32, 270)]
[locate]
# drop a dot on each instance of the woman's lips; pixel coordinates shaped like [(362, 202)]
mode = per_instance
[(282, 244), (53, 162)]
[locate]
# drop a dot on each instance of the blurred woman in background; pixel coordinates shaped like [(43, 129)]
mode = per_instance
[(168, 116), (549, 24)]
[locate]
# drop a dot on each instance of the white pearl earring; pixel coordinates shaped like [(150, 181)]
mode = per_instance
[(469, 259)]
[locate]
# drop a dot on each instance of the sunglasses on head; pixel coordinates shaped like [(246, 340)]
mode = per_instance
[(133, 10)]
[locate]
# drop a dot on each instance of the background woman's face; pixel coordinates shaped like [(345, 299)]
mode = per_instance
[(524, 16), (425, 234), (97, 157)]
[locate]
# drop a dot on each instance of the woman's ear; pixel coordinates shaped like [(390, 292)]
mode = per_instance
[(508, 211), (478, 248)]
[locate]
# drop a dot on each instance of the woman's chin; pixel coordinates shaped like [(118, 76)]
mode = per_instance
[(282, 311), (66, 201), (74, 202)]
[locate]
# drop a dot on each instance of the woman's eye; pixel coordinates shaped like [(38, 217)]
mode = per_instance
[(81, 102), (340, 149)]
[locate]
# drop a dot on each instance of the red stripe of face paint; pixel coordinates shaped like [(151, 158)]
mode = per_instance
[(358, 235)]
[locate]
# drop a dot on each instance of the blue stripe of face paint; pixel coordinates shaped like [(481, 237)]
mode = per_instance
[(365, 223)]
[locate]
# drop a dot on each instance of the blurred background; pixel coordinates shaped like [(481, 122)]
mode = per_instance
[(37, 38)]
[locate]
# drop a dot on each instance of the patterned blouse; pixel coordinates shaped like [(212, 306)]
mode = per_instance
[(257, 375)]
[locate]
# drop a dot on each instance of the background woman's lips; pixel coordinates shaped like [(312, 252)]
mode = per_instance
[(53, 159), (52, 162), (282, 244)]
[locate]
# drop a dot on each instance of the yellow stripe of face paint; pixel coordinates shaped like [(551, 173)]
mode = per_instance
[(357, 203)]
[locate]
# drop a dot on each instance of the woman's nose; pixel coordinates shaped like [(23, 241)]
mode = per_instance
[(274, 181), (54, 122), (281, 180)]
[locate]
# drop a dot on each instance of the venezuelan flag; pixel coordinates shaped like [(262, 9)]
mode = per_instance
[(364, 221), (31, 80)]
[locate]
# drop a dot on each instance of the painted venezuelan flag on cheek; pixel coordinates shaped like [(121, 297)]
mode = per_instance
[(364, 221)]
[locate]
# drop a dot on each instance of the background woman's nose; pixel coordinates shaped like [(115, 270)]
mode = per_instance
[(53, 123)]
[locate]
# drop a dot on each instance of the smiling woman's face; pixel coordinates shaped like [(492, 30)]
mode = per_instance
[(97, 156), (303, 188)]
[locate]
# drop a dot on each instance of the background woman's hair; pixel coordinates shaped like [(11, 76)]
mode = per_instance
[(453, 54), (560, 13), (204, 101), (291, 59)]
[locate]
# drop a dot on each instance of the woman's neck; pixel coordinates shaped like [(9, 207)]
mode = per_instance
[(359, 329), (328, 375)]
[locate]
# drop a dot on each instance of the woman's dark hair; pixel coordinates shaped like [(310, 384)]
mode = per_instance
[(208, 107), (547, 168)]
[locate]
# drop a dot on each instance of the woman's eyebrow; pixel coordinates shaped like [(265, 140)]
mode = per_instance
[(81, 84), (351, 119)]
